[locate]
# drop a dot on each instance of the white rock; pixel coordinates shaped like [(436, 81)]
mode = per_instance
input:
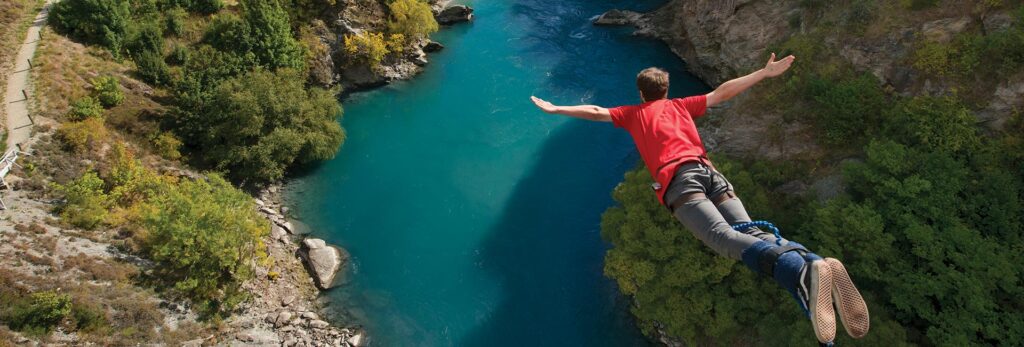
[(356, 340), (277, 233), (310, 315), (314, 243), (288, 300), (260, 203)]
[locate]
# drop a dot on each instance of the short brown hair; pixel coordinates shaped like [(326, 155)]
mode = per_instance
[(653, 83)]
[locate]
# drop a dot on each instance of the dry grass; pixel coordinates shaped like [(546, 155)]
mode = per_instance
[(15, 17)]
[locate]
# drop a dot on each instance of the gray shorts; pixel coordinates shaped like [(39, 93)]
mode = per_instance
[(709, 222)]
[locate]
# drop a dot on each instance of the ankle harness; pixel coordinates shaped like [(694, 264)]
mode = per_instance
[(766, 262)]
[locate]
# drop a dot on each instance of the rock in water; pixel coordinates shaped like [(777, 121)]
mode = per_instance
[(433, 46), (617, 17), (454, 14), (324, 261)]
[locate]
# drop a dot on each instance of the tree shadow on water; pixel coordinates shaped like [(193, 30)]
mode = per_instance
[(546, 252)]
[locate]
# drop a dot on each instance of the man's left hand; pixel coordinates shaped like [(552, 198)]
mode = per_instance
[(775, 68)]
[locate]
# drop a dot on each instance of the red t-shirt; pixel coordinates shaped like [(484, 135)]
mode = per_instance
[(664, 133)]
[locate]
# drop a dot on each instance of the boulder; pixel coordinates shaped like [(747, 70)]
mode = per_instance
[(356, 340), (433, 46), (282, 318), (942, 30), (454, 14), (617, 17), (323, 261), (318, 324)]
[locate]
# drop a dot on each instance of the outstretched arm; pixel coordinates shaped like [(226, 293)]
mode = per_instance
[(588, 112), (736, 86)]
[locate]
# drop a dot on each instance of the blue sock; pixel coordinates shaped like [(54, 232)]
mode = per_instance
[(752, 256)]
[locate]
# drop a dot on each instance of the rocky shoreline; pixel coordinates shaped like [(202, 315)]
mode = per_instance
[(284, 309)]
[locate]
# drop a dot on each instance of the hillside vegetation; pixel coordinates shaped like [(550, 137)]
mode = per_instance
[(929, 223)]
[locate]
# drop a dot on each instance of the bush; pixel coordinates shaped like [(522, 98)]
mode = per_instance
[(152, 68), (167, 146), (85, 108), (107, 90), (39, 313), (257, 125), (940, 123), (206, 236), (103, 22), (82, 135), (206, 6), (179, 55), (847, 109), (144, 37), (85, 204), (175, 21), (412, 18), (270, 35)]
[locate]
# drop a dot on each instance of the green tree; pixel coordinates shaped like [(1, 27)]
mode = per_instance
[(259, 124), (107, 90), (271, 35), (103, 22), (206, 237), (412, 18)]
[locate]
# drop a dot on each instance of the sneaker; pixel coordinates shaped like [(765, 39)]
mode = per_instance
[(852, 309), (815, 293)]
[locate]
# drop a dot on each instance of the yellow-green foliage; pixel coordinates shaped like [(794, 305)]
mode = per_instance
[(85, 204), (368, 48), (84, 108), (206, 237), (167, 145), (107, 90), (37, 313), (412, 18), (82, 135)]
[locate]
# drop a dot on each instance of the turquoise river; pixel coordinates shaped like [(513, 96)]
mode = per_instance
[(472, 218)]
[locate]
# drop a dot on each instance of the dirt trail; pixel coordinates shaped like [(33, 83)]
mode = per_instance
[(16, 101)]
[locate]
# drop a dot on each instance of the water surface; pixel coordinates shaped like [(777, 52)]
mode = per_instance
[(472, 218)]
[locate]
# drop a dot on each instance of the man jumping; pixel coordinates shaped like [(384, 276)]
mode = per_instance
[(703, 200)]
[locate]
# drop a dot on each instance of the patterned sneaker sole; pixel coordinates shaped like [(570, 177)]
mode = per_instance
[(852, 309), (823, 316)]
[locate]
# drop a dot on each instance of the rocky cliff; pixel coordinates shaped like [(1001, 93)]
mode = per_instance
[(350, 17), (720, 40)]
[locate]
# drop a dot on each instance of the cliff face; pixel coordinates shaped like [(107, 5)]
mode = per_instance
[(721, 40), (351, 17)]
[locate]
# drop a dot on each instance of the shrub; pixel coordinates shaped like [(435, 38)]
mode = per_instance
[(152, 68), (103, 22), (144, 37), (847, 109), (205, 235), (40, 313), (85, 204), (107, 90), (412, 18), (940, 123), (174, 20), (206, 6), (179, 55), (167, 146), (82, 135), (85, 108)]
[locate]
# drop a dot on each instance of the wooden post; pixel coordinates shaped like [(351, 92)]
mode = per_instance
[(29, 63), (25, 94)]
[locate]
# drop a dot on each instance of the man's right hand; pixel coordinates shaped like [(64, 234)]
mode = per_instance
[(544, 105)]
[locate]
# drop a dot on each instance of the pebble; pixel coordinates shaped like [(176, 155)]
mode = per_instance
[(288, 300)]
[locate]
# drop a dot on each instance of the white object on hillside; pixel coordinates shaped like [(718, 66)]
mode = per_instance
[(6, 163)]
